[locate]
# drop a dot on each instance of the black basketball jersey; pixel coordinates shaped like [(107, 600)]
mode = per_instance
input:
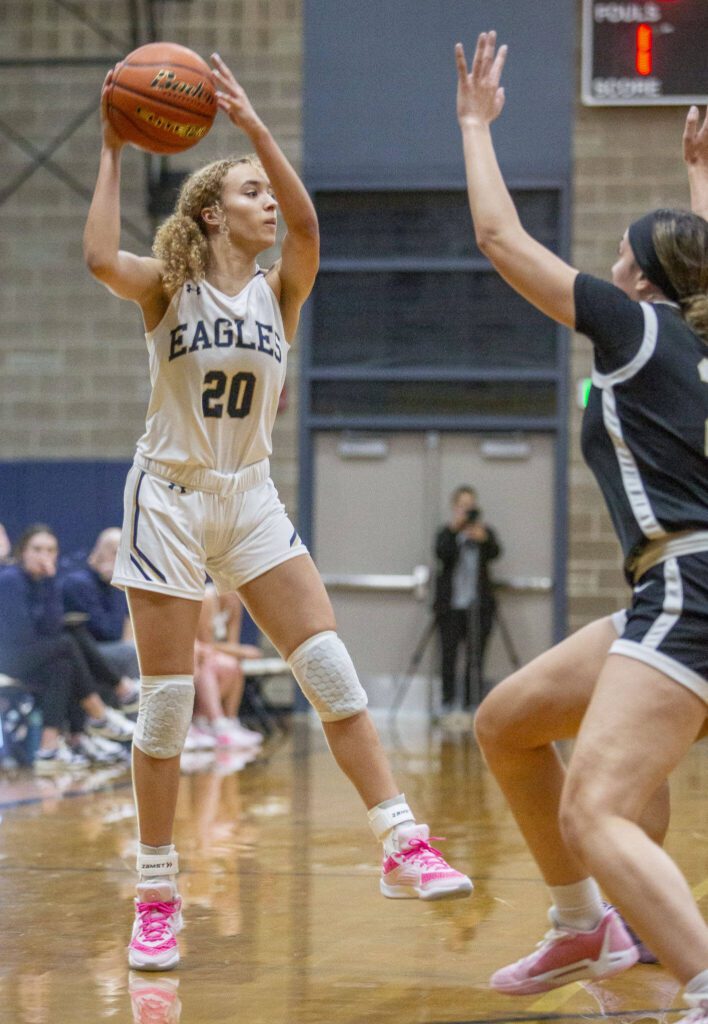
[(645, 429)]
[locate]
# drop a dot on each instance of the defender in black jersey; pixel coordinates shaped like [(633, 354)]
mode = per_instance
[(633, 688)]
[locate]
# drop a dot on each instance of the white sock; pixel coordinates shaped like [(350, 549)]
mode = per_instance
[(698, 984), (578, 905)]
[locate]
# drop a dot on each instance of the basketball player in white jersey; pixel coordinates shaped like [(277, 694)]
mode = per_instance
[(632, 687), (199, 497)]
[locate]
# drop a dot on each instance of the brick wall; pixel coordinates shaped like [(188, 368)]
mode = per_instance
[(73, 369), (73, 366)]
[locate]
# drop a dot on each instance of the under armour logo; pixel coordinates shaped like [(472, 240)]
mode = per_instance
[(174, 487), (194, 288)]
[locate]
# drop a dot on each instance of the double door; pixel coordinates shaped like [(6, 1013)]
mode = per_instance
[(378, 502)]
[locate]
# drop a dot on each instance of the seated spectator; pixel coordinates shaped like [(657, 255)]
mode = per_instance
[(5, 547), (218, 676), (88, 590), (36, 649)]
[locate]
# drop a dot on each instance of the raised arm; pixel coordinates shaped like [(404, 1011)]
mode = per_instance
[(126, 275), (531, 269), (695, 155), (293, 275)]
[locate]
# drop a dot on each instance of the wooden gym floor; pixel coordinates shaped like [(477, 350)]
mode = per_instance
[(285, 924)]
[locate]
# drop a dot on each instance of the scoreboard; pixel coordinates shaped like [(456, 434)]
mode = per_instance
[(645, 53)]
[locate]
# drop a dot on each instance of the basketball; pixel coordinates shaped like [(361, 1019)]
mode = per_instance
[(161, 98)]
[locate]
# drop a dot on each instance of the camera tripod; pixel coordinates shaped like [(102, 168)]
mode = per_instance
[(473, 661)]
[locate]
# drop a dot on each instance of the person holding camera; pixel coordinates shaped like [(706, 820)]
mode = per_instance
[(464, 596)]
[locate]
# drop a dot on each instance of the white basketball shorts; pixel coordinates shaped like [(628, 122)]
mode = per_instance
[(234, 528)]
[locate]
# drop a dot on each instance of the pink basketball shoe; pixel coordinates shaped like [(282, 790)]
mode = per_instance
[(158, 920), (416, 870), (566, 955)]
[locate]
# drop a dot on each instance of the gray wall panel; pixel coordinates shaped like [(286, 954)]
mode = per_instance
[(379, 83)]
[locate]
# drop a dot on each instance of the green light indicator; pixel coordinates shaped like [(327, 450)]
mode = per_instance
[(584, 385)]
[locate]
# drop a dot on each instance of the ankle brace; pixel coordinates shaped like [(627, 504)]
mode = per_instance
[(157, 865), (387, 815)]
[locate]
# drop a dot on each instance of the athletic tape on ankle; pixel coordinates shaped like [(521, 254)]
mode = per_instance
[(157, 865), (327, 677), (383, 819), (166, 704)]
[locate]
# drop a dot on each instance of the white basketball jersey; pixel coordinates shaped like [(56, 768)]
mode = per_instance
[(217, 367)]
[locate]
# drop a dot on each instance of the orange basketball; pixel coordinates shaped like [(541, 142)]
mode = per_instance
[(161, 98)]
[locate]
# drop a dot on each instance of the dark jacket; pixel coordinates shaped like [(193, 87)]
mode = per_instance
[(106, 606), (448, 551), (30, 609)]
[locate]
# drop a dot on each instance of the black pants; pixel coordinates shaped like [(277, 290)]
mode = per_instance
[(105, 677), (58, 673), (454, 628)]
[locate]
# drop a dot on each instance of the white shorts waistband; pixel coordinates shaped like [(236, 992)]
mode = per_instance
[(200, 478)]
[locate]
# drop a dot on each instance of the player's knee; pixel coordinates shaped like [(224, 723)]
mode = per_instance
[(166, 705), (326, 674), (492, 725)]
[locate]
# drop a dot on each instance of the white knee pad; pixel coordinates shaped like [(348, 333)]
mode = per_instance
[(166, 704), (327, 676)]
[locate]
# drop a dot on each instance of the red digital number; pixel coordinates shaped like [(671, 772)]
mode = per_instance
[(643, 58)]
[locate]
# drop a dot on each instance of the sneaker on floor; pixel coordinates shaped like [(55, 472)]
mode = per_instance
[(228, 733), (154, 1000), (231, 737), (158, 920), (416, 870), (98, 750), (193, 761), (566, 955), (645, 954), (230, 761), (61, 759), (250, 735), (113, 726), (198, 739), (130, 698)]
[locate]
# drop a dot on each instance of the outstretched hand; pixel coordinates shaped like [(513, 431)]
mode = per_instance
[(111, 138), (695, 139), (480, 98), (232, 98)]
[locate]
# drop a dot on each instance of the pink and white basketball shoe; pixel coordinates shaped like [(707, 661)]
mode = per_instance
[(416, 870), (566, 954), (158, 921), (158, 913)]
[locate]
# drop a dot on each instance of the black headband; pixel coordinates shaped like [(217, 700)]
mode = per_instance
[(641, 239)]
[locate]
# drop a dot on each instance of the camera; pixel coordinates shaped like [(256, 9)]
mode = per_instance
[(472, 516)]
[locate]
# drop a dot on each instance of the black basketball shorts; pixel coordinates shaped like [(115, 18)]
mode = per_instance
[(667, 623)]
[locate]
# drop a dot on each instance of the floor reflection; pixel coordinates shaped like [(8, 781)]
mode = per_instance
[(285, 923)]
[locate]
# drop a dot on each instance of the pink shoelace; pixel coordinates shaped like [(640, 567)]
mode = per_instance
[(154, 921), (420, 849)]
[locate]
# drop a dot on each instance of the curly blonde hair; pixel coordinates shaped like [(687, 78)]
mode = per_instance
[(181, 241)]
